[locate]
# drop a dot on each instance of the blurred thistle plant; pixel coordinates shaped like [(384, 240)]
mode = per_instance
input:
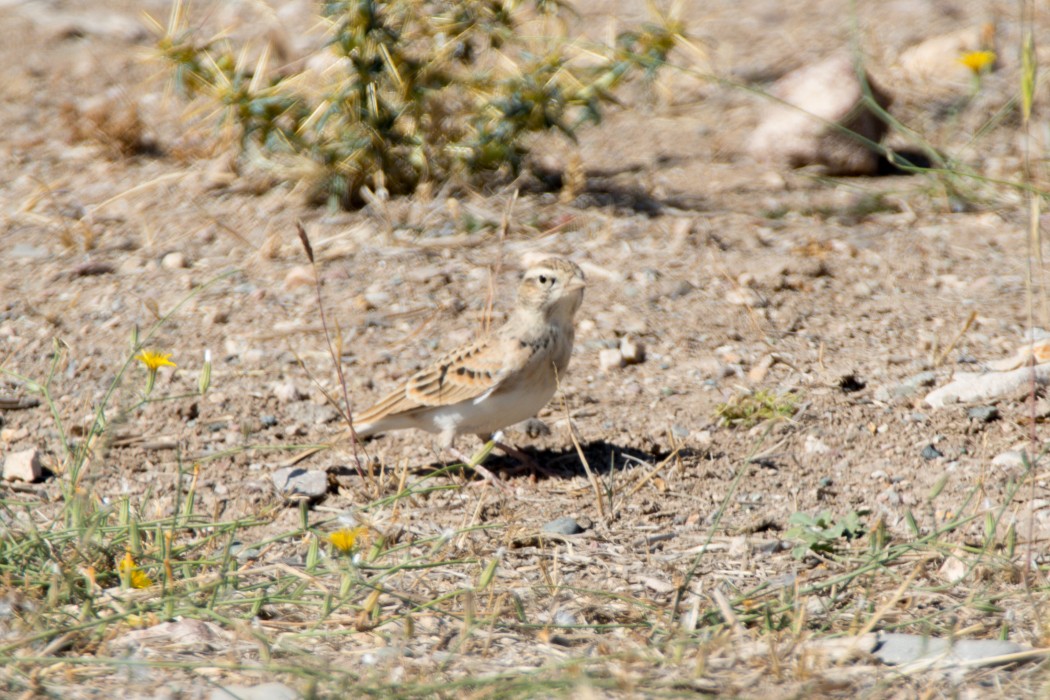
[(416, 90)]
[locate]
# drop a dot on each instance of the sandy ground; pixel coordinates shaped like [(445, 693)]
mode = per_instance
[(736, 276)]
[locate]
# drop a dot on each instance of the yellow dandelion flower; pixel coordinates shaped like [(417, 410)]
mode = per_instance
[(978, 61), (345, 539), (136, 577), (154, 360)]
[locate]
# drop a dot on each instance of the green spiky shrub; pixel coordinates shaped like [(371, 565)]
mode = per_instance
[(420, 90)]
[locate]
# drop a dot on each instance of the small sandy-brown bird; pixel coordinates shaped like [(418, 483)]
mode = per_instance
[(497, 380)]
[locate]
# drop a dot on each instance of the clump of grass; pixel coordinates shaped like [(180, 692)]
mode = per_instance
[(747, 410), (418, 90)]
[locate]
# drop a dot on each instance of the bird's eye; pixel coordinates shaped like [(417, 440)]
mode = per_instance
[(542, 279)]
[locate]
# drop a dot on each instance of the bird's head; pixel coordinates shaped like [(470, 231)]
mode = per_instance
[(554, 287)]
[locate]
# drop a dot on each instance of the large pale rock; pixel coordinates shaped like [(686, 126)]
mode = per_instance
[(932, 67), (973, 387), (23, 466), (898, 649), (819, 101), (264, 691)]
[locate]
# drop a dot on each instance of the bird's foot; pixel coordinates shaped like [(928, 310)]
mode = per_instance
[(486, 474)]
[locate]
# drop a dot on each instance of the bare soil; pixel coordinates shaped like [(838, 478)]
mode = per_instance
[(735, 276)]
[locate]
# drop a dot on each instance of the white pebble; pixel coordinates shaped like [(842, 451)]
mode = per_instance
[(610, 358), (174, 261), (632, 350)]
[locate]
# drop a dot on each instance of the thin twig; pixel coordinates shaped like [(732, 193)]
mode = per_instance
[(348, 410)]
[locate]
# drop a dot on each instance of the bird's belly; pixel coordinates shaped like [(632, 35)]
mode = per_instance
[(491, 413)]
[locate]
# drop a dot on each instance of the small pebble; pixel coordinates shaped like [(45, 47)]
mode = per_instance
[(286, 392), (983, 414), (174, 261), (298, 277), (931, 452), (743, 296), (563, 526), (268, 421), (535, 428), (243, 553), (610, 358), (815, 446), (633, 351)]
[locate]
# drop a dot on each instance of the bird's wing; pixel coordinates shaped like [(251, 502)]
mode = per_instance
[(465, 374)]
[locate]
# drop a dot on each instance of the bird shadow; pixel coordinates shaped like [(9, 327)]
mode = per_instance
[(602, 457)]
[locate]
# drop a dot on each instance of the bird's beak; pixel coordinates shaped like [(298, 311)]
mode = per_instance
[(575, 284)]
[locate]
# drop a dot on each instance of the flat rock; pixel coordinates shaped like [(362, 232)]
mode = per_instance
[(971, 387), (186, 635), (895, 648), (23, 466), (264, 691), (932, 66), (909, 387), (563, 526), (819, 101), (28, 252), (1011, 459), (296, 483), (983, 414)]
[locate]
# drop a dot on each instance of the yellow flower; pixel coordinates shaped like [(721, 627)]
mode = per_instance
[(136, 577), (154, 360), (344, 539), (978, 61)]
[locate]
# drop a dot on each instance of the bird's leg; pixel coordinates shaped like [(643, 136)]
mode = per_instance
[(474, 463)]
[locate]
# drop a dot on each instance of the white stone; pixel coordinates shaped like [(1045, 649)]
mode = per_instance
[(298, 277), (1011, 459), (744, 296), (286, 392), (296, 483), (23, 466), (932, 66), (953, 569), (989, 387), (265, 691), (610, 358), (174, 261), (633, 351), (818, 102), (815, 446)]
